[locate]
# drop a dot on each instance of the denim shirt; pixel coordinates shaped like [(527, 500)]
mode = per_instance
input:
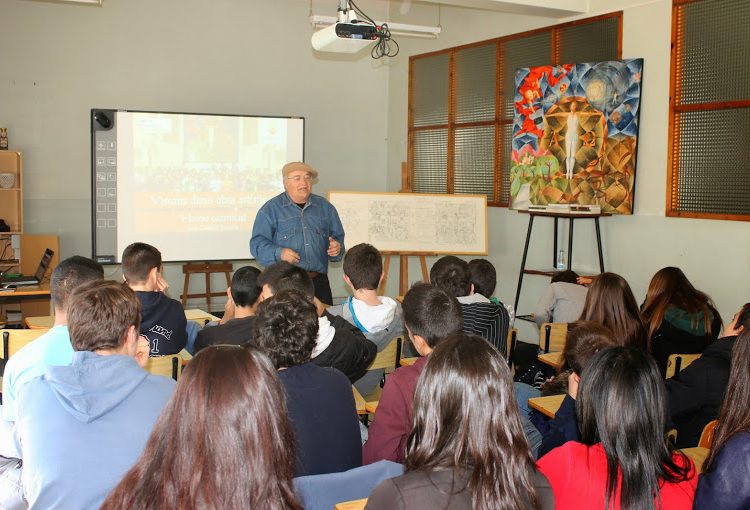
[(281, 223)]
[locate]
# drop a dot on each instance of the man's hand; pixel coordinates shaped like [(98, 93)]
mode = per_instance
[(161, 283), (320, 308), (334, 247), (289, 255), (142, 351), (584, 280), (228, 311)]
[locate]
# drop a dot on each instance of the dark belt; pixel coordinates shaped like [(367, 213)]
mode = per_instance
[(313, 274)]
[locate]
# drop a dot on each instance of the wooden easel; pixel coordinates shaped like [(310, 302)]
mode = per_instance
[(403, 276), (207, 269)]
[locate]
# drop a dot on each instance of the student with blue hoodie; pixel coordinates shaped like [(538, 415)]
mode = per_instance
[(82, 426)]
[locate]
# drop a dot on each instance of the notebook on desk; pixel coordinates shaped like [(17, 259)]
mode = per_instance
[(23, 281)]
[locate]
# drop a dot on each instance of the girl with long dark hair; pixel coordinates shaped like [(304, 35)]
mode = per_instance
[(610, 302), (222, 441), (467, 449), (623, 460), (678, 317), (726, 470)]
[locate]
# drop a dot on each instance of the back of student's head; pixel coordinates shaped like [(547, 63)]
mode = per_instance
[(566, 276), (734, 416), (363, 266), (585, 339), (431, 313), (69, 274), (611, 303), (622, 404), (465, 414), (285, 328), (483, 276), (451, 274), (283, 275), (138, 259), (100, 313), (228, 412), (742, 318), (245, 289)]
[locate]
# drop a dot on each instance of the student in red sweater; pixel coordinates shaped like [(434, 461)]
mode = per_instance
[(430, 315), (623, 458)]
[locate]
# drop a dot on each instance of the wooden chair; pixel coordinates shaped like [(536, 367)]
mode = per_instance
[(678, 362), (15, 339), (552, 336), (167, 366), (707, 436), (511, 343), (388, 358), (358, 504)]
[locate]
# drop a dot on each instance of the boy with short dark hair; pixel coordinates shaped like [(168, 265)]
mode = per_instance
[(484, 280), (236, 326), (430, 314), (379, 318), (338, 344), (481, 317), (163, 319)]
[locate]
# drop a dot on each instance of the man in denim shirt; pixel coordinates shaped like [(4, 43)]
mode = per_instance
[(300, 228)]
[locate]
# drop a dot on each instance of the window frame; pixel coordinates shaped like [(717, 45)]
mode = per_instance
[(499, 121), (675, 109)]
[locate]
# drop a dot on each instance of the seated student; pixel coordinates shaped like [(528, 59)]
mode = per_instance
[(466, 449), (319, 400), (679, 318), (338, 344), (484, 279), (723, 483), (481, 317), (562, 301), (696, 393), (583, 341), (52, 348), (82, 426), (430, 314), (623, 460), (610, 302), (236, 326), (379, 318), (163, 319), (225, 436)]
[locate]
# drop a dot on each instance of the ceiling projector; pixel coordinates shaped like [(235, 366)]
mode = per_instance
[(344, 37)]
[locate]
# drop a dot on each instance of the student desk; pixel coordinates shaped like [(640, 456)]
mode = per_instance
[(548, 406), (357, 504), (47, 321), (405, 362), (553, 359), (698, 454), (33, 299)]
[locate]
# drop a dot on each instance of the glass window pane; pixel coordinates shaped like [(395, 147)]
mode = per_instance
[(430, 161), (430, 90), (592, 42), (475, 83), (474, 161)]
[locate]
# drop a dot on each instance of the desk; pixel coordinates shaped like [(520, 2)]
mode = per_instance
[(357, 504), (47, 321), (405, 362), (548, 406), (698, 454), (33, 299), (359, 401), (553, 359)]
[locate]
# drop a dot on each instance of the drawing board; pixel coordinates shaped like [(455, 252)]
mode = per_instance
[(414, 222)]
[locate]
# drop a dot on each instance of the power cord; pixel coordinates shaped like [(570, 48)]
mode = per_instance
[(386, 45)]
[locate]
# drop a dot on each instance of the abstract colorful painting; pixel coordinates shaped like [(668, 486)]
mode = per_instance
[(575, 133)]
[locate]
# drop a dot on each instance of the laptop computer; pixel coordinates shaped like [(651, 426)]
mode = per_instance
[(30, 280)]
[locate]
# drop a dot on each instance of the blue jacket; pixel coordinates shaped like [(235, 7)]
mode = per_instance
[(725, 486), (562, 428), (81, 428), (280, 223)]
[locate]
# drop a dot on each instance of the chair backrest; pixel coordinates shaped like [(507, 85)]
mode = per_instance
[(15, 339), (677, 362), (168, 366), (511, 343), (707, 436), (388, 358), (552, 336)]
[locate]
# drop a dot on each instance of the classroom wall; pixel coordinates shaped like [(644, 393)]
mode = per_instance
[(712, 253), (214, 56)]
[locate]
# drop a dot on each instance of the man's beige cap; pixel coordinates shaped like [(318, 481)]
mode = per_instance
[(298, 165)]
